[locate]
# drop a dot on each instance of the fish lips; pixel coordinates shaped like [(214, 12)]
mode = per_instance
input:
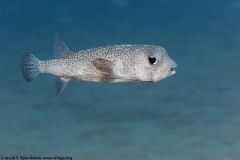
[(172, 71)]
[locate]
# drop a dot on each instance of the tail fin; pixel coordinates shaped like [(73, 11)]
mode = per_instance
[(29, 66)]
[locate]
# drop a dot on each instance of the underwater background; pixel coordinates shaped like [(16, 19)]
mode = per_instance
[(194, 114)]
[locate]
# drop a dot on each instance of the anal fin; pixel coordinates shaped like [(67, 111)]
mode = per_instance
[(60, 83)]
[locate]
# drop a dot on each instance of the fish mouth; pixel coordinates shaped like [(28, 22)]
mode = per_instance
[(172, 71)]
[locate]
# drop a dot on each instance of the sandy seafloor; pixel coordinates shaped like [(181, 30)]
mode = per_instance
[(193, 115)]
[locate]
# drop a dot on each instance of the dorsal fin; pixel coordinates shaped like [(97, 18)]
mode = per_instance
[(60, 50)]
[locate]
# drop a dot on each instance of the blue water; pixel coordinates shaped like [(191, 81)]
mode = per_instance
[(194, 114)]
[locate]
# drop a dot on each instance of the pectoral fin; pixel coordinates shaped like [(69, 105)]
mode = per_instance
[(105, 68)]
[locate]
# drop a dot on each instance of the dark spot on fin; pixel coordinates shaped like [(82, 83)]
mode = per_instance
[(105, 67), (66, 54), (60, 50), (60, 83)]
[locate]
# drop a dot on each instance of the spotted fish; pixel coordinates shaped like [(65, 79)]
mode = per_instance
[(113, 63)]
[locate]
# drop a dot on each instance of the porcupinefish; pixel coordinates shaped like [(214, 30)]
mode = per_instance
[(113, 63)]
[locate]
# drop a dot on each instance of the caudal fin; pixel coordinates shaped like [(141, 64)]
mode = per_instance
[(29, 66)]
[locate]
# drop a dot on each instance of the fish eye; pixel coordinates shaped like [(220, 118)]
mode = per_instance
[(152, 60)]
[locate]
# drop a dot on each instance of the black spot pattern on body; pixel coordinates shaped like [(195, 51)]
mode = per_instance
[(131, 56)]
